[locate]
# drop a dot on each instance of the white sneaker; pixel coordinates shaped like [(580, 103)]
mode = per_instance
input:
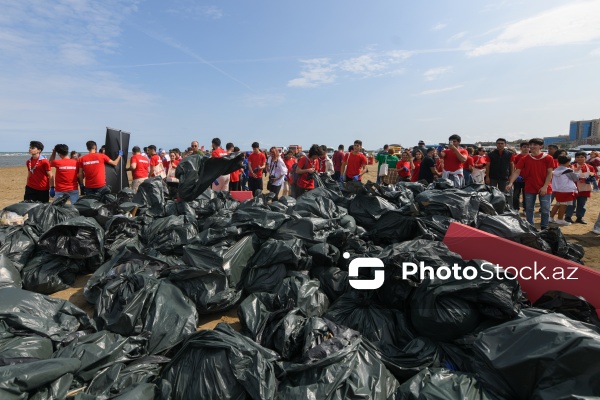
[(551, 220), (562, 222), (596, 231)]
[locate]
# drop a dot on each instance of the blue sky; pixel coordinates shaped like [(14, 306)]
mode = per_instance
[(282, 72)]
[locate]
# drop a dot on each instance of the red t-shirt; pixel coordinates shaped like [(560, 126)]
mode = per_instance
[(305, 163), (142, 166), (256, 160), (218, 153), (584, 168), (289, 163), (480, 160), (400, 165), (65, 179), (451, 162), (93, 169), (171, 164), (354, 163), (533, 170), (235, 176), (415, 175), (469, 163), (37, 178)]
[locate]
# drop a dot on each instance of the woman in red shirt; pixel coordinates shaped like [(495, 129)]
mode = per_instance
[(306, 168), (417, 163), (289, 161), (405, 166), (172, 181)]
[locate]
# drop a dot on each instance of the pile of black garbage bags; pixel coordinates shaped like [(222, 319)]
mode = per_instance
[(157, 264)]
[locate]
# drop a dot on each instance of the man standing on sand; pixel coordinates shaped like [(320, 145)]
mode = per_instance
[(500, 166), (139, 167), (91, 169), (256, 164), (338, 158), (38, 177), (354, 165), (156, 166), (65, 178), (221, 184)]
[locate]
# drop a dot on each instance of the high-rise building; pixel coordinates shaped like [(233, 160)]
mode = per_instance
[(580, 130)]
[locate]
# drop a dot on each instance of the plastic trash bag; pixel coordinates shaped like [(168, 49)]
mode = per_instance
[(394, 227), (492, 195), (454, 203), (23, 207), (259, 220), (196, 173), (120, 232), (47, 215), (9, 274), (42, 315), (46, 273), (574, 307), (333, 280), (320, 207), (168, 235), (560, 247), (77, 238), (17, 349), (222, 364), (310, 230), (512, 227), (367, 210), (152, 195), (17, 243)]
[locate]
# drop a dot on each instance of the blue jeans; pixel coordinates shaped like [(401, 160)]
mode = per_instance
[(89, 191), (467, 175), (578, 206), (544, 205), (73, 195)]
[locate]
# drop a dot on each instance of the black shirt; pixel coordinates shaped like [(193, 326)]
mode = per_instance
[(425, 171)]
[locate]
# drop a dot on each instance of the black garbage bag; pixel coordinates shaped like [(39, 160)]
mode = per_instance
[(46, 273), (299, 291), (512, 227), (100, 350), (454, 203), (77, 238), (196, 173), (168, 235), (320, 207), (445, 309), (152, 195), (220, 219), (574, 307), (560, 246), (100, 207), (544, 356), (17, 243), (414, 187), (333, 280), (262, 221), (47, 215), (324, 254), (336, 364), (125, 195), (394, 227), (180, 208), (367, 209), (443, 384), (204, 280), (310, 230), (492, 195), (9, 274), (434, 227), (16, 349), (23, 207), (29, 312), (136, 303), (441, 184), (222, 364), (120, 232), (44, 379)]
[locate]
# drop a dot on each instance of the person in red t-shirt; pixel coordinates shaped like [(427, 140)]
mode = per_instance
[(156, 166), (584, 189), (91, 168), (453, 159), (139, 166), (536, 168), (519, 185), (354, 164), (405, 166), (38, 177), (256, 164), (65, 178), (307, 166), (289, 161), (171, 179), (222, 182), (417, 163), (234, 178)]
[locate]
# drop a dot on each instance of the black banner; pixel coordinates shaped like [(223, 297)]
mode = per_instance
[(116, 177)]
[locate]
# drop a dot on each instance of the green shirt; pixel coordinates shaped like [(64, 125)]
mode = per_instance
[(386, 158)]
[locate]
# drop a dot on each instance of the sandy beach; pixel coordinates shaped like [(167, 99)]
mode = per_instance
[(13, 179)]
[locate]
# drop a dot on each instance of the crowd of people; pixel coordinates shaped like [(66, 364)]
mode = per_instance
[(529, 174)]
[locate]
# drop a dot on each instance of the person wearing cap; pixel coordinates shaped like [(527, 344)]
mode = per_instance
[(92, 174), (256, 164), (156, 166), (221, 184), (65, 177), (421, 146), (139, 165), (38, 177)]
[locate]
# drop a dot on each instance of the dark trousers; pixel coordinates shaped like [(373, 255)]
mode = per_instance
[(43, 196), (499, 183), (235, 186), (274, 189), (518, 192), (577, 207), (298, 191), (336, 176), (255, 184)]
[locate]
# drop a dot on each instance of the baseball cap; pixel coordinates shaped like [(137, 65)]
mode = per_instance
[(421, 142)]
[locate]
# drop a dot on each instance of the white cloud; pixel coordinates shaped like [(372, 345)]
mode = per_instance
[(457, 36), (434, 73), (578, 22), (439, 27), (435, 91), (365, 64), (316, 72)]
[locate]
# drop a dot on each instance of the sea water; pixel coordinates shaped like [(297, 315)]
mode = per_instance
[(15, 159)]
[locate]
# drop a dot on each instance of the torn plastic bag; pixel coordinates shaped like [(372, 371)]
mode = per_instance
[(574, 307), (152, 195), (47, 215), (461, 206), (77, 238), (447, 309), (204, 280), (262, 221), (492, 195), (222, 364), (120, 232), (443, 384), (560, 246), (310, 230), (46, 273), (43, 315), (23, 207), (196, 173), (336, 364), (45, 379), (9, 274), (366, 209), (544, 356), (132, 304), (320, 207), (102, 349), (512, 227), (19, 349), (17, 243), (168, 235)]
